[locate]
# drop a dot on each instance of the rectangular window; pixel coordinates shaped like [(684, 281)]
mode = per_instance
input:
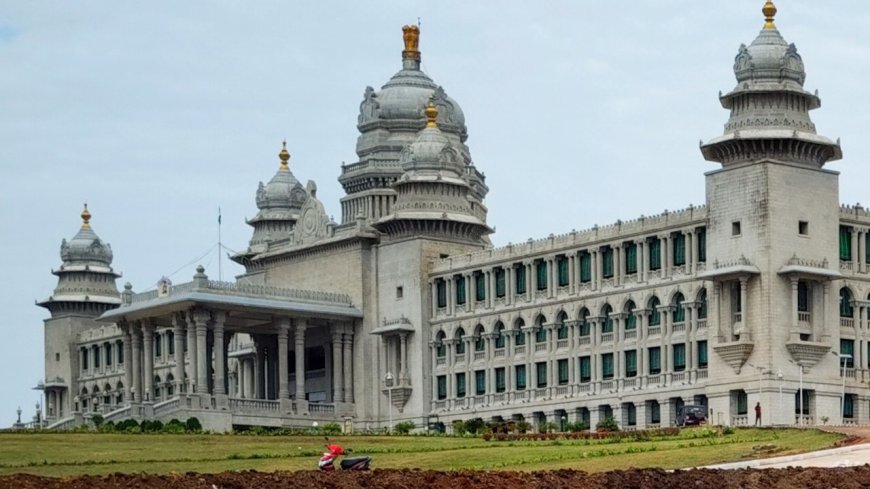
[(679, 313), (631, 321), (520, 372), (520, 272), (499, 338), (741, 403), (803, 228), (499, 282), (170, 338), (541, 269), (479, 343), (96, 357), (679, 249), (655, 360), (158, 345), (562, 332), (803, 297), (400, 292), (184, 342), (84, 358), (584, 327), (806, 402), (702, 354), (441, 292), (520, 338), (585, 369), (586, 267), (119, 347), (460, 346), (701, 236), (541, 374), (655, 254), (607, 325), (631, 363), (735, 228), (460, 384), (460, 290), (631, 258), (107, 347), (440, 350), (655, 412), (442, 387), (563, 371), (845, 243), (479, 286), (540, 334), (655, 316), (562, 262), (849, 406), (607, 366), (480, 382), (499, 380), (679, 357), (606, 262), (847, 347)]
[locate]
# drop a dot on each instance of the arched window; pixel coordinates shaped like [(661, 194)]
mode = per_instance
[(540, 332), (479, 340), (584, 322), (460, 343), (562, 332), (520, 338), (846, 309), (679, 310), (607, 324), (630, 319), (440, 349), (655, 317), (499, 335), (702, 304)]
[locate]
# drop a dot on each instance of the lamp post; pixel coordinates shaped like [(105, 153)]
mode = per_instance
[(388, 382), (843, 358), (779, 377)]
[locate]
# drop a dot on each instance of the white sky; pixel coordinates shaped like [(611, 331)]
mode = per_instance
[(156, 113)]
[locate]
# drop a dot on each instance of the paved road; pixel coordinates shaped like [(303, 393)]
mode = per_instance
[(848, 456)]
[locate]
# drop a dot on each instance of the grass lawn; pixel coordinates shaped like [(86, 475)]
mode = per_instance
[(62, 454)]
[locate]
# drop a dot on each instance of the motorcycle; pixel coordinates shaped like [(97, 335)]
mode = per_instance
[(333, 451)]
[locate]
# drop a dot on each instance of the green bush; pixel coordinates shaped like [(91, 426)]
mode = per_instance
[(522, 426), (404, 427), (475, 425), (174, 426), (607, 424), (576, 427), (331, 429), (97, 419), (127, 425), (193, 425), (459, 427)]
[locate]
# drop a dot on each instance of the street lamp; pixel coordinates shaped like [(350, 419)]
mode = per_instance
[(388, 382), (843, 358)]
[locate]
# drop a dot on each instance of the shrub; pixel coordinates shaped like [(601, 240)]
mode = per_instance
[(607, 424), (127, 425), (548, 427), (404, 427), (193, 425), (474, 425), (97, 419), (150, 426), (174, 426), (459, 427), (487, 436), (577, 427), (522, 426), (727, 430), (333, 429)]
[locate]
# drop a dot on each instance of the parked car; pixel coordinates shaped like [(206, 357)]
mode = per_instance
[(691, 414)]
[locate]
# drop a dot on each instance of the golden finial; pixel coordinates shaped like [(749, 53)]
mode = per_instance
[(431, 113), (285, 157), (769, 11), (411, 35), (86, 217)]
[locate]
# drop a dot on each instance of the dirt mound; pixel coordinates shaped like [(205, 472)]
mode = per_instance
[(790, 478)]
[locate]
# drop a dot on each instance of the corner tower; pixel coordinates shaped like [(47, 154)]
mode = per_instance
[(389, 120), (85, 289), (772, 229)]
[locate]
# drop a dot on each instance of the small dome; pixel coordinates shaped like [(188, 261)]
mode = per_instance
[(431, 151), (85, 247), (283, 191), (769, 59)]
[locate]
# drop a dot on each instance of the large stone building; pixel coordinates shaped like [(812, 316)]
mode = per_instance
[(403, 310)]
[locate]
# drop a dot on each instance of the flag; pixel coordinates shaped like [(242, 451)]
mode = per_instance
[(219, 215)]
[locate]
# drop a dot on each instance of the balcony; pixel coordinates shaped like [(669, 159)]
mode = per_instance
[(631, 334), (479, 355), (805, 317), (440, 361), (539, 347), (585, 340), (562, 344), (679, 327), (519, 349), (499, 353), (607, 337), (654, 330), (847, 323), (702, 324)]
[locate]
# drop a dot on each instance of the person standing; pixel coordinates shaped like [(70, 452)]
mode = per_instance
[(757, 414)]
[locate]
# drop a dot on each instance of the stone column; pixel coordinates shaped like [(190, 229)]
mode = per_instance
[(192, 360), (451, 296), (136, 359), (744, 307), (794, 302), (510, 283), (178, 337), (690, 250), (403, 370), (128, 359), (283, 357), (572, 273), (665, 255), (220, 352), (337, 381), (433, 289), (855, 256), (299, 341), (862, 250), (642, 260), (617, 264), (531, 280), (148, 357), (200, 319), (347, 350)]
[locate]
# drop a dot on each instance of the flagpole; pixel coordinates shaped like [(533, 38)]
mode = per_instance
[(220, 248)]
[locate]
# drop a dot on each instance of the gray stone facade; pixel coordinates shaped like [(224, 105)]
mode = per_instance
[(404, 311)]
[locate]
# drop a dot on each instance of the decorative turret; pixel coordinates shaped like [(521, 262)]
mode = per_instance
[(434, 196), (279, 202), (389, 120), (86, 281), (769, 107)]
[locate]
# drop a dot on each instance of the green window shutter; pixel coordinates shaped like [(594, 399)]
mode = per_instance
[(541, 374), (849, 405), (631, 258), (441, 287), (563, 331), (702, 354), (679, 312), (631, 363), (803, 297), (521, 279), (584, 327), (847, 347), (460, 384), (586, 267), (460, 347), (655, 316), (541, 268), (631, 321), (499, 380), (499, 340), (846, 310), (679, 249), (479, 343), (702, 308), (499, 282), (563, 372), (440, 350), (585, 369), (480, 382), (607, 262), (520, 338), (460, 290), (442, 387), (741, 402), (701, 236), (679, 357), (845, 243), (655, 254), (540, 335), (563, 271), (607, 325), (480, 287), (521, 377), (655, 360), (607, 365)]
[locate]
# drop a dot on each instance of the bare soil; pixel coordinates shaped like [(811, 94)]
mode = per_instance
[(790, 478)]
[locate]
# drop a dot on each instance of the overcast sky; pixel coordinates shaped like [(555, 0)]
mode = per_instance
[(156, 113)]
